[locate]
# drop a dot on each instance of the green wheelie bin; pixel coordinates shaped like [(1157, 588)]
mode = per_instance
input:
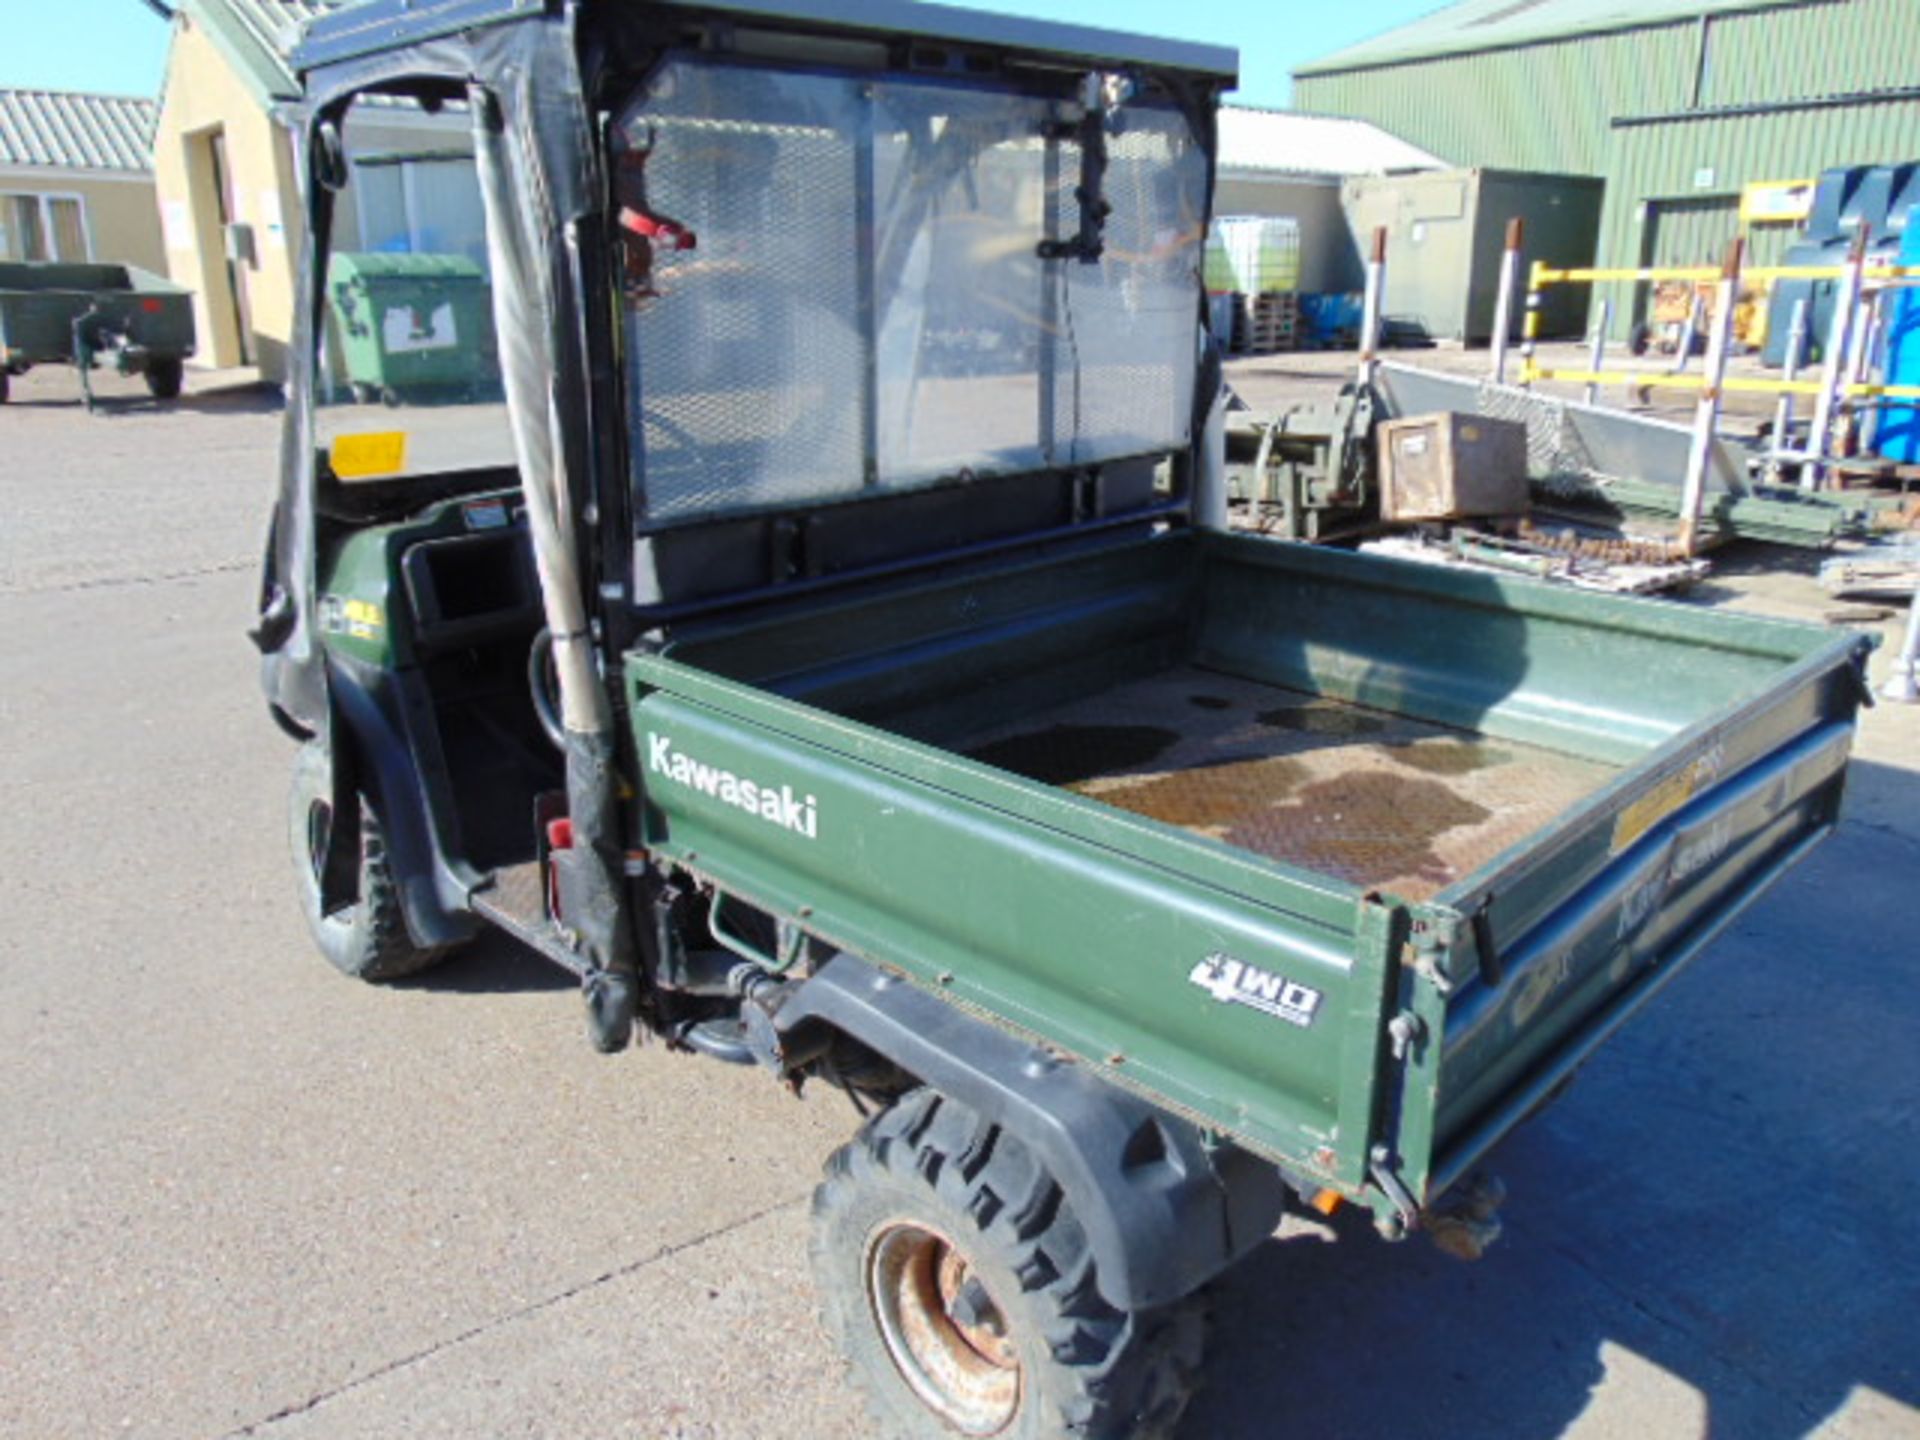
[(413, 329)]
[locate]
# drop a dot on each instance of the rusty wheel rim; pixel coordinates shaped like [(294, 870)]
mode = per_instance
[(943, 1331)]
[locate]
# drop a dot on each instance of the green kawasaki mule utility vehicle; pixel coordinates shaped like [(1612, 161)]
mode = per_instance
[(823, 640)]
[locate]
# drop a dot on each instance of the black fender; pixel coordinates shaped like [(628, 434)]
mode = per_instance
[(370, 740), (1163, 1211)]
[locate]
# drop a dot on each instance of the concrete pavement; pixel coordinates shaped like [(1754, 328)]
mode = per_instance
[(243, 1195)]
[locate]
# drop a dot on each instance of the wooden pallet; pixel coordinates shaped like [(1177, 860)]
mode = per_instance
[(1265, 323), (1869, 471)]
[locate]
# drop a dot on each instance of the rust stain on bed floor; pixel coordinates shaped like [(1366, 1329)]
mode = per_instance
[(1367, 826), (1450, 757), (1067, 754), (1381, 801), (1213, 799), (1322, 717)]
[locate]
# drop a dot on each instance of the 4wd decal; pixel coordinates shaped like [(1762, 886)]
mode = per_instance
[(1234, 982), (776, 804)]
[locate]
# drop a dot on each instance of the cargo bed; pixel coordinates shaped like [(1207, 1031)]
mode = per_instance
[(1353, 860), (1381, 801)]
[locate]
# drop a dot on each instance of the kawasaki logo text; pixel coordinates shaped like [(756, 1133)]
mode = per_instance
[(776, 804)]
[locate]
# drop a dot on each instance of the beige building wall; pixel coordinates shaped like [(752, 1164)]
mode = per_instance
[(207, 111), (123, 222), (1328, 260)]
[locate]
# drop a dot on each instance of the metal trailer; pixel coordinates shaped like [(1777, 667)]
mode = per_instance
[(1141, 880), (75, 314), (1623, 464)]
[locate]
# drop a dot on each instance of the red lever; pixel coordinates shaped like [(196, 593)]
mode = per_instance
[(658, 227)]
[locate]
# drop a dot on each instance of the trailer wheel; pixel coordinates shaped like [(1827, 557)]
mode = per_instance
[(164, 377), (367, 940), (962, 1290)]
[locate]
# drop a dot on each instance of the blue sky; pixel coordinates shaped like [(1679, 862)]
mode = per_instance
[(119, 46)]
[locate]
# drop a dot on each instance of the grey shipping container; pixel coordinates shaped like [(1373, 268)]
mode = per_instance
[(1446, 230)]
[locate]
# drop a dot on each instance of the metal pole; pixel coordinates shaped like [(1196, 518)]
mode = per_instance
[(1683, 352), (1503, 305), (1861, 340), (1783, 410), (1375, 295), (1530, 329), (1874, 313), (1903, 684), (1597, 356), (1833, 367), (1706, 415)]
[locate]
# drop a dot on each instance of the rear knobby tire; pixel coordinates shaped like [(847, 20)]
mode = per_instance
[(368, 939), (963, 1292), (164, 378)]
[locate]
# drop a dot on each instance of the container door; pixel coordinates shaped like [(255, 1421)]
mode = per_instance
[(1684, 232)]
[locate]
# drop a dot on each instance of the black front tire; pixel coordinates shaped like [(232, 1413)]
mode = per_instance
[(6, 385), (164, 378), (963, 1291), (368, 939)]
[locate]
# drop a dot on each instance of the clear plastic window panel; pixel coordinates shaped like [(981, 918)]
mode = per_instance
[(865, 304), (1128, 324), (960, 206), (748, 363)]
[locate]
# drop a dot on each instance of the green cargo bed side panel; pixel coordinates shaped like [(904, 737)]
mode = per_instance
[(1117, 940)]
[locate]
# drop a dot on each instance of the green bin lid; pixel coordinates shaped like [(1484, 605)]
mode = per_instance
[(364, 266)]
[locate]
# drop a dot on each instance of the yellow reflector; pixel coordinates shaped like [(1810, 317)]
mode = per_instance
[(362, 457)]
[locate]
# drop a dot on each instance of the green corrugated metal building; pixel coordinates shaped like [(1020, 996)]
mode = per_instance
[(1677, 104)]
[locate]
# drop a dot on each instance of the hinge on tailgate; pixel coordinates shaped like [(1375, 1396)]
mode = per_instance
[(1406, 1213)]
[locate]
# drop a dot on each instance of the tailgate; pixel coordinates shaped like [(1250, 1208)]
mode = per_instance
[(1553, 947)]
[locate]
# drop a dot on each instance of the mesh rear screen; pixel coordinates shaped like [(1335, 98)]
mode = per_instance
[(746, 366), (865, 306)]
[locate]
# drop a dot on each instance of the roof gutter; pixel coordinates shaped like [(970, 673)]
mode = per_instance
[(1772, 107), (1274, 172), (1333, 65)]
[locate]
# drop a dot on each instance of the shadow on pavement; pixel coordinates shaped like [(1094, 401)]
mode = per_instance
[(1709, 1227), (494, 964), (259, 398), (119, 402)]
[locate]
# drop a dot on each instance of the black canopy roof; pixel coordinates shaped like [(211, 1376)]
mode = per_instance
[(375, 25)]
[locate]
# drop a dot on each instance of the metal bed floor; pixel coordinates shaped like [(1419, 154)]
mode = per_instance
[(1379, 800)]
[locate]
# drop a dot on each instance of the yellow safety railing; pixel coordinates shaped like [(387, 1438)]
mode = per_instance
[(1681, 380), (1543, 274)]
